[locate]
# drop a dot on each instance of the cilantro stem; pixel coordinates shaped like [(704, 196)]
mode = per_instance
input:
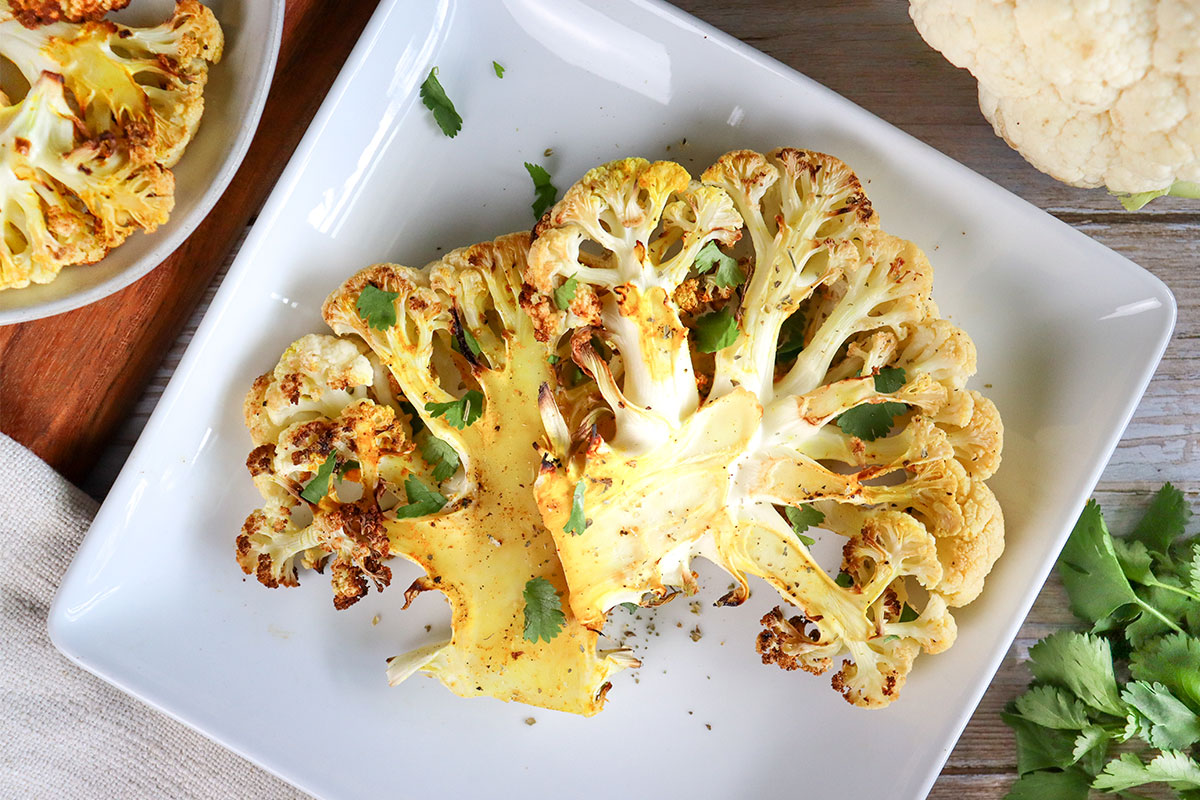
[(1169, 587), (1147, 607)]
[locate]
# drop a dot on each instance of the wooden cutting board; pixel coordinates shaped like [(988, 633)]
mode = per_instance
[(67, 382)]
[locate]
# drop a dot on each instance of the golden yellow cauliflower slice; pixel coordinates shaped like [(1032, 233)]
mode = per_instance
[(428, 401), (835, 399)]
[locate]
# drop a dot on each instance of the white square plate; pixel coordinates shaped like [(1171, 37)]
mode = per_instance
[(1068, 334)]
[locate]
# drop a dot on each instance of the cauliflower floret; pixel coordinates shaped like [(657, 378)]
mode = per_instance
[(318, 375), (875, 391), (67, 201), (1091, 92)]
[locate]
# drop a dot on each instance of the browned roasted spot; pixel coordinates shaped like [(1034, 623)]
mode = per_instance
[(261, 459), (34, 13), (290, 387)]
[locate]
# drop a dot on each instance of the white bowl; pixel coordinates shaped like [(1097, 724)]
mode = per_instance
[(233, 102)]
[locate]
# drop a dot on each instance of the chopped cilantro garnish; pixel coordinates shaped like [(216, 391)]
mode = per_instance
[(564, 294), (872, 420), (716, 331), (728, 275), (802, 518), (435, 99), (544, 617), (544, 192), (458, 413), (317, 488), (376, 307), (498, 68), (576, 522), (440, 455), (421, 500)]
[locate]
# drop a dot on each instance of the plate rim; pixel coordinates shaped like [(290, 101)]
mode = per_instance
[(171, 242), (286, 185)]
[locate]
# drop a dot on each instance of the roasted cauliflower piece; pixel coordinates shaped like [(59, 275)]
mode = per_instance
[(824, 381), (428, 401), (67, 201), (32, 13), (142, 87), (85, 155)]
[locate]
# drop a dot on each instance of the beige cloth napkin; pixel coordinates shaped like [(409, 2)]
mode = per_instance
[(64, 733)]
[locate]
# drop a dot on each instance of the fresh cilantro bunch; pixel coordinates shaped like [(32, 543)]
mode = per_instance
[(1118, 707)]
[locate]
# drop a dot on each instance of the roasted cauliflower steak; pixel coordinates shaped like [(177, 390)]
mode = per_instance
[(823, 385), (427, 400)]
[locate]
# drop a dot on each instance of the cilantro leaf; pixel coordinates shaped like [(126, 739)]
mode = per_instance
[(908, 614), (630, 607), (1038, 747), (890, 379), (1173, 768), (844, 580), (1091, 748), (1081, 663), (1052, 707), (729, 274), (544, 192), (1069, 785), (576, 522), (318, 487), (1164, 520), (1173, 661), (1193, 569), (469, 338), (544, 617), (1134, 558), (1162, 719), (499, 69), (376, 307), (435, 99), (440, 455), (458, 413), (1095, 582), (803, 518), (421, 500), (869, 421), (791, 337), (347, 467), (563, 295), (716, 331)]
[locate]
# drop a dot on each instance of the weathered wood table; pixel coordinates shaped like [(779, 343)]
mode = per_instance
[(868, 52)]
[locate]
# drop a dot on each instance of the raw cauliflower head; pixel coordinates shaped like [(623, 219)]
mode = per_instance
[(426, 404), (1092, 92), (807, 382)]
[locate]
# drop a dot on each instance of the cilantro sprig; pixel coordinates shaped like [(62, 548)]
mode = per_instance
[(728, 273), (544, 617), (435, 99), (318, 487), (576, 523), (1133, 680), (872, 420), (716, 330), (544, 192), (461, 412), (801, 519)]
